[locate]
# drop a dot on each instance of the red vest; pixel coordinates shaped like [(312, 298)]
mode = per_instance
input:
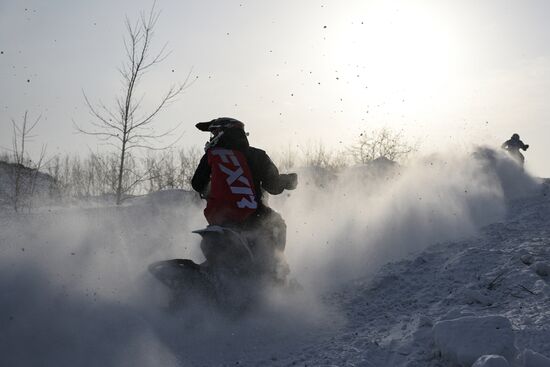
[(232, 196)]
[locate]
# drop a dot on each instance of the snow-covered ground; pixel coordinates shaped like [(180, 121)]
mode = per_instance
[(432, 265), (504, 270)]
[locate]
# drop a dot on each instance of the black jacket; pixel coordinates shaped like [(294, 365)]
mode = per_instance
[(514, 145)]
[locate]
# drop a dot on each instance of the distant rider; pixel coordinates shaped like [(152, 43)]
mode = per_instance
[(513, 146), (232, 176)]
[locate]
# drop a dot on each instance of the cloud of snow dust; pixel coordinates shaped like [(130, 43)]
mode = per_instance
[(348, 226), (72, 283), (76, 291)]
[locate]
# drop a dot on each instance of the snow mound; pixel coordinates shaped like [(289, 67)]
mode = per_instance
[(462, 341), (491, 361)]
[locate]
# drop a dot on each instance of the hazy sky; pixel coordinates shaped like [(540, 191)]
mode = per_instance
[(448, 73)]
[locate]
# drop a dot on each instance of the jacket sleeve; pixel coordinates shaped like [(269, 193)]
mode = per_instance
[(271, 180), (200, 179), (522, 145)]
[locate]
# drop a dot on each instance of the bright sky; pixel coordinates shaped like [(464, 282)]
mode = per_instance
[(448, 73)]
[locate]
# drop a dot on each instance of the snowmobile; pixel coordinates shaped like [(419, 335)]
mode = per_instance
[(232, 277)]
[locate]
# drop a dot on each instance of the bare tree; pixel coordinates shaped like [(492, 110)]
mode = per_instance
[(320, 157), (25, 171), (286, 159), (125, 126), (188, 161), (171, 169), (380, 143)]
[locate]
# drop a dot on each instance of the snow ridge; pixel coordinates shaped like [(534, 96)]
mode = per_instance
[(392, 318)]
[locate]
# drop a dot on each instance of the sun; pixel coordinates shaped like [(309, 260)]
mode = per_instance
[(403, 48)]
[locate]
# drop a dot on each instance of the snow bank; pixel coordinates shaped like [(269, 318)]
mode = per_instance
[(390, 316), (462, 341)]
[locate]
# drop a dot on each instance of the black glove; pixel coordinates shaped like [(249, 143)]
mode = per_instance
[(290, 181)]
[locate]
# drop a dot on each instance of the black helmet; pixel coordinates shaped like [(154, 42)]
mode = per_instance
[(218, 127), (220, 124), (515, 137)]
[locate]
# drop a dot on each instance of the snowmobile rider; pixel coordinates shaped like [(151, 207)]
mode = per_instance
[(513, 145), (232, 177)]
